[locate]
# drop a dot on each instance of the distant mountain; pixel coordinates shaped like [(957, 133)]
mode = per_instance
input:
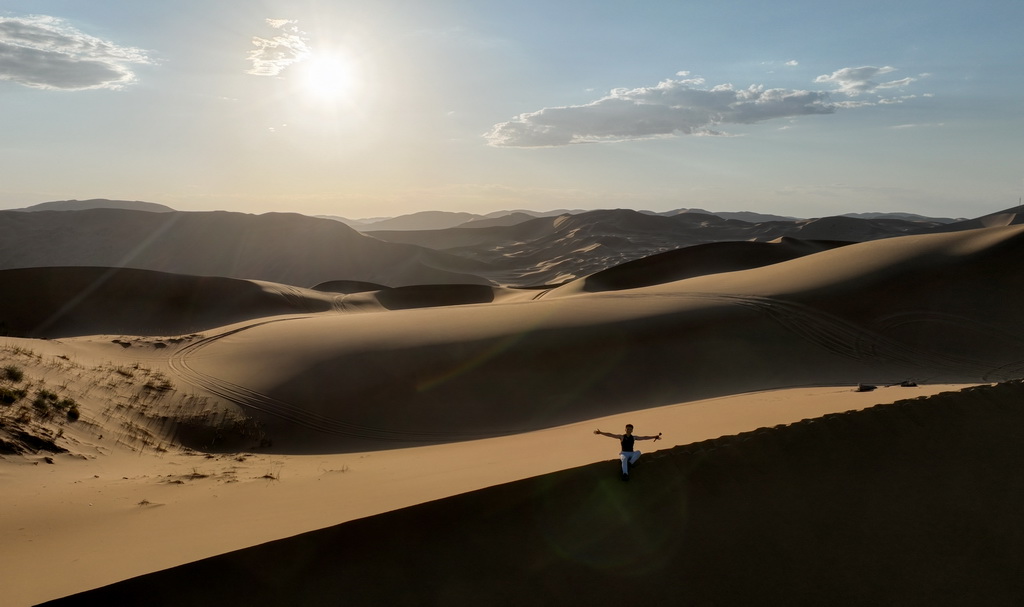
[(352, 223), (548, 250), (510, 219), (424, 220), (97, 203), (903, 216), (439, 220), (748, 216), (286, 248), (513, 249)]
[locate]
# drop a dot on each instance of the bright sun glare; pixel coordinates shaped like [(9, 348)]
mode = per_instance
[(329, 77)]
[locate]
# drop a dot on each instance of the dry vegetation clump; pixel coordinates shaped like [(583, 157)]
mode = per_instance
[(26, 425), (130, 404)]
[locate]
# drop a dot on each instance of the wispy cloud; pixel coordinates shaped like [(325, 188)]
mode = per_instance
[(273, 55), (673, 107), (855, 81), (46, 52), (686, 106)]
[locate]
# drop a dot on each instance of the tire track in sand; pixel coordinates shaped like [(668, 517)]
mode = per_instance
[(247, 398)]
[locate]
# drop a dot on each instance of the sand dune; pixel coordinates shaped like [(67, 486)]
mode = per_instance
[(878, 312), (412, 368), (434, 374), (698, 260), (70, 301), (904, 504)]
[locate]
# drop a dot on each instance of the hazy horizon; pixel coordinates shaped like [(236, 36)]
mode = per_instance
[(800, 109)]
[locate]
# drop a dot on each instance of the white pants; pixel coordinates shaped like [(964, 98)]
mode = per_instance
[(628, 459)]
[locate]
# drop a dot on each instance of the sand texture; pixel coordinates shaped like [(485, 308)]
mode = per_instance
[(433, 444)]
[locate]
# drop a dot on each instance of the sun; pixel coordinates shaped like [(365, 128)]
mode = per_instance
[(329, 76)]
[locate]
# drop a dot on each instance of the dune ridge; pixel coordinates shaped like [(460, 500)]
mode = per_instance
[(75, 301), (905, 503), (876, 312)]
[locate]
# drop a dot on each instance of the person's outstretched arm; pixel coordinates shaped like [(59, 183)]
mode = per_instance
[(608, 434), (648, 437)]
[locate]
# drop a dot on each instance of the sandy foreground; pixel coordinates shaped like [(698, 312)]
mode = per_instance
[(84, 523)]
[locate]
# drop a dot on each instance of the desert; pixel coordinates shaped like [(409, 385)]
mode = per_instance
[(601, 303), (409, 418)]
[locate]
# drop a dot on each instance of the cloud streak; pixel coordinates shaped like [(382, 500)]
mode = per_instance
[(673, 107), (273, 55), (45, 52), (686, 106), (855, 81)]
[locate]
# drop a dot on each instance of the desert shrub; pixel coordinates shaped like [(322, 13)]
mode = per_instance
[(73, 413), (65, 404), (43, 401), (9, 396), (12, 373), (160, 384)]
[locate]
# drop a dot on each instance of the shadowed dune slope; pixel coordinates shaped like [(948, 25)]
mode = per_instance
[(65, 302), (698, 260), (902, 504), (915, 307), (425, 296), (1009, 217), (280, 247)]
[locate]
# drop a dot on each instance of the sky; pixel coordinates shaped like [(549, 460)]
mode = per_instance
[(372, 109)]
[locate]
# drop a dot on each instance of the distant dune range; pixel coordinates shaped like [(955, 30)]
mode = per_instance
[(305, 251), (279, 247)]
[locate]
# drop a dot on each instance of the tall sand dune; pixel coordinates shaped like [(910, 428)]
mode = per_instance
[(698, 260), (902, 504), (912, 308), (72, 301)]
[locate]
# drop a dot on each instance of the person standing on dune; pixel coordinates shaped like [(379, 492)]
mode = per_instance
[(628, 455)]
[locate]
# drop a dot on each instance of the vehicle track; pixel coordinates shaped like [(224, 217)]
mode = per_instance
[(180, 365)]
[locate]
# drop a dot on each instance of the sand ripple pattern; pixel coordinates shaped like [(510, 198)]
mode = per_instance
[(854, 341)]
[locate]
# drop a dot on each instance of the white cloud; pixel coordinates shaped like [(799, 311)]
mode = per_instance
[(855, 81), (272, 55), (673, 107), (919, 125), (792, 63), (45, 52)]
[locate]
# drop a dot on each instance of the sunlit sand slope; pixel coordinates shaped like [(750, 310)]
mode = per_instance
[(914, 503)]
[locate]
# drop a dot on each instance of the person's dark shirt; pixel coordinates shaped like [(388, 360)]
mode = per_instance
[(627, 442)]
